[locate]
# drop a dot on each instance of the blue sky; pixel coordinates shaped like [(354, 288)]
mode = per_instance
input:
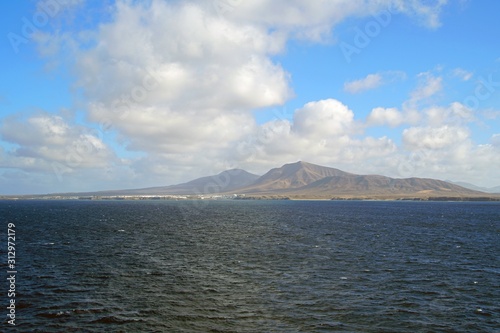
[(107, 95)]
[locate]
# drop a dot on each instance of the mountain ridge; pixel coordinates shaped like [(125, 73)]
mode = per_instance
[(293, 175), (307, 179), (224, 181), (491, 190), (301, 180)]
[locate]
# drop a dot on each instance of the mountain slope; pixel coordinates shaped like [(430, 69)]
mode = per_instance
[(495, 189), (225, 181), (380, 185), (292, 176), (306, 180), (310, 180)]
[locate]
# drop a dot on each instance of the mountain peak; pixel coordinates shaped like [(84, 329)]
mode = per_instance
[(292, 176), (234, 172), (298, 163), (311, 179), (303, 179), (294, 166)]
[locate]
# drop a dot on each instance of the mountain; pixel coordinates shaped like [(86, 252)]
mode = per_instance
[(381, 185), (225, 181), (292, 176), (495, 189), (303, 179)]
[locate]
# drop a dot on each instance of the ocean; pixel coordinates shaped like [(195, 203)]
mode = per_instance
[(252, 266)]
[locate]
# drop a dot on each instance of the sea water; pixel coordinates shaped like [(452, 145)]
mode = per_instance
[(253, 266)]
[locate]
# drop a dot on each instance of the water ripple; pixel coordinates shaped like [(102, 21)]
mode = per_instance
[(269, 266)]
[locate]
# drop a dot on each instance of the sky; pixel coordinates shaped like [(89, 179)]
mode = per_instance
[(98, 95)]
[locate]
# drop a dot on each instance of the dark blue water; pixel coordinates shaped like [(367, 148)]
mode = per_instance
[(253, 266)]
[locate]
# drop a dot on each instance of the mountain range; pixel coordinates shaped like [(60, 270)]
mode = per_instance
[(495, 189), (306, 180)]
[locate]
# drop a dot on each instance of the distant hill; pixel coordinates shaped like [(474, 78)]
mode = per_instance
[(495, 189), (304, 180), (225, 181), (309, 180), (292, 176)]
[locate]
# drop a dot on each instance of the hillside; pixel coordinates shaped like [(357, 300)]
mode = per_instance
[(225, 181), (495, 189), (303, 179), (292, 176)]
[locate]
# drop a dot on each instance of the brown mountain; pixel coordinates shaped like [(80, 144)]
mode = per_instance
[(309, 181), (226, 181), (303, 179), (293, 176)]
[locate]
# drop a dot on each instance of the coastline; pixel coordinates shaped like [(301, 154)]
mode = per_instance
[(238, 197)]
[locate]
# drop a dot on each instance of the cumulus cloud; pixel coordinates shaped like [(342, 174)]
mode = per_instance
[(202, 67), (323, 119), (373, 81), (455, 114), (429, 86), (190, 92), (434, 137), (495, 140), (385, 116), (323, 132), (45, 142), (424, 95), (188, 89), (202, 60)]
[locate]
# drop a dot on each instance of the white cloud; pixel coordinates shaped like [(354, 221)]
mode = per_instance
[(201, 69), (313, 20), (454, 114), (45, 141), (495, 140), (462, 74), (371, 81), (428, 14), (323, 119), (426, 94), (321, 132), (383, 116), (434, 137), (188, 89), (429, 86)]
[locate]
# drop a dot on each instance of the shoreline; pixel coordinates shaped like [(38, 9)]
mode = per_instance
[(249, 197)]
